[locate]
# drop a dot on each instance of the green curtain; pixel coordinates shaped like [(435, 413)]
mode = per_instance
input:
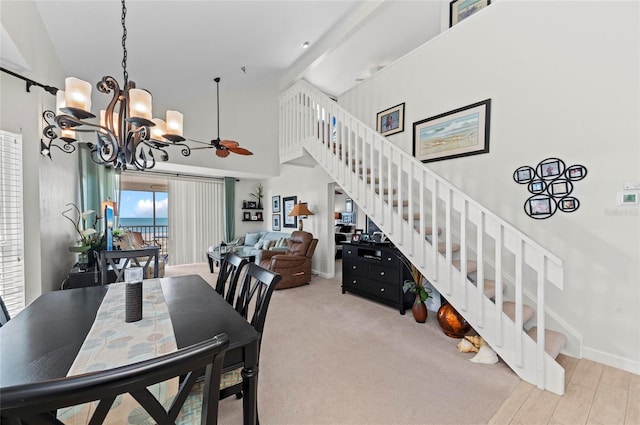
[(229, 208), (97, 183)]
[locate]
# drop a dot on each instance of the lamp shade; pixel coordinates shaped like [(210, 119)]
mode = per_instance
[(77, 94), (300, 209)]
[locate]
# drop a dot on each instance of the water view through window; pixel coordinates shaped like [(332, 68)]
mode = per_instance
[(146, 212)]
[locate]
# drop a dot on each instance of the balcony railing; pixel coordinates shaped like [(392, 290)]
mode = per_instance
[(153, 235)]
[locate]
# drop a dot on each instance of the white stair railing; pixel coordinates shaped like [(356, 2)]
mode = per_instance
[(409, 203)]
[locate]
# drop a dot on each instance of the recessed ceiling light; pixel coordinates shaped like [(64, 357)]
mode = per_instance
[(305, 44)]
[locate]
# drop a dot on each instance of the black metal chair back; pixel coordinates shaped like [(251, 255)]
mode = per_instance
[(4, 313), (230, 268), (34, 403)]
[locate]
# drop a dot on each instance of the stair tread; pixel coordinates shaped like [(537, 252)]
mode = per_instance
[(442, 247), (490, 288), (553, 341), (472, 266), (509, 308)]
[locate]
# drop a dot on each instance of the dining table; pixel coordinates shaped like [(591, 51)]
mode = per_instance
[(42, 341)]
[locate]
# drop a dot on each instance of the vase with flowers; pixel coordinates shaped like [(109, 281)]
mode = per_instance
[(416, 286), (85, 223), (258, 194)]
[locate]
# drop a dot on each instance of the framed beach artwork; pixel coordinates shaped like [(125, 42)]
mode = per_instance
[(462, 9), (461, 132)]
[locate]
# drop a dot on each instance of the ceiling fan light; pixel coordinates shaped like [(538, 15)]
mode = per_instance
[(140, 105)]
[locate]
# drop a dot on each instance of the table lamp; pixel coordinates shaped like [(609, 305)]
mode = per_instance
[(300, 210)]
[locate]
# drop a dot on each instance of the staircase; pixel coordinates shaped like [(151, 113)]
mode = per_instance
[(494, 275)]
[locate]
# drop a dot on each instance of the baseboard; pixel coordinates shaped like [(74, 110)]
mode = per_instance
[(612, 360), (322, 275)]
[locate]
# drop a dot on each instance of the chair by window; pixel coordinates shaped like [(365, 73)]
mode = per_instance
[(4, 313), (295, 264), (132, 256), (229, 274), (33, 403)]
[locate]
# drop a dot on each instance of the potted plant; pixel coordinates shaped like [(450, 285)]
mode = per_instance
[(415, 286), (90, 239), (258, 194)]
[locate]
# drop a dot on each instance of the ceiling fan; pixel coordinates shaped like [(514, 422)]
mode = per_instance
[(222, 147)]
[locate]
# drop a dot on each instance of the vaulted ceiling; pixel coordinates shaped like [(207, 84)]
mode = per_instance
[(176, 47)]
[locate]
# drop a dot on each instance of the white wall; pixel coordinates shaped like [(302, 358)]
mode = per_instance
[(563, 80), (48, 185), (248, 115)]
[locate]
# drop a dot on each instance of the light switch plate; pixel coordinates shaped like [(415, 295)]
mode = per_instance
[(631, 185)]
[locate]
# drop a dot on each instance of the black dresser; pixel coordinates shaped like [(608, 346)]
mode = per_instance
[(376, 272)]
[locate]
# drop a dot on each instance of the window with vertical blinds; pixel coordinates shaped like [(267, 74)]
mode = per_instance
[(11, 223)]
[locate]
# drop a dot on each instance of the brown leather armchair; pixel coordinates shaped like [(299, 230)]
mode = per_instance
[(295, 264)]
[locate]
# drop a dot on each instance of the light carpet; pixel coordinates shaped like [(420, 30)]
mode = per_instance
[(329, 358)]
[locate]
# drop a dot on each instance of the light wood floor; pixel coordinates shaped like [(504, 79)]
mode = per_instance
[(595, 394)]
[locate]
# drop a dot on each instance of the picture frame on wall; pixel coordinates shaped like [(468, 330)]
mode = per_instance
[(454, 134), (462, 9), (275, 222), (390, 121), (275, 204), (348, 205), (288, 203)]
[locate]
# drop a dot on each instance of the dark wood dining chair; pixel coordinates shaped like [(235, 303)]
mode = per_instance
[(34, 403), (119, 260), (230, 269), (4, 313), (252, 302)]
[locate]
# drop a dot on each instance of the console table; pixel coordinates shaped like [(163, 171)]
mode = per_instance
[(376, 272)]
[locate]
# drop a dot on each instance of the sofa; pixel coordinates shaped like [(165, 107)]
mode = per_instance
[(254, 243)]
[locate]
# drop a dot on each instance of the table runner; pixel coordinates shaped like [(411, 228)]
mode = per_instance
[(112, 342)]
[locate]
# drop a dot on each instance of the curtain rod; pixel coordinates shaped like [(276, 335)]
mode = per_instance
[(50, 89)]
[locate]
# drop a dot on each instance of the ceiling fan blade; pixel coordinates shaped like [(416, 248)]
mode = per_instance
[(222, 153), (229, 143), (202, 147), (241, 151)]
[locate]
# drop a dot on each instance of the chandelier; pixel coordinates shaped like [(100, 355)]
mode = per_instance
[(126, 135)]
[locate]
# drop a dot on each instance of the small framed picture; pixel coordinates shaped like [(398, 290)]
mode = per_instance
[(259, 216), (523, 174), (540, 206), (275, 204), (246, 216), (550, 168), (560, 188), (568, 204), (391, 121), (275, 222), (355, 237), (576, 172), (537, 186), (252, 204)]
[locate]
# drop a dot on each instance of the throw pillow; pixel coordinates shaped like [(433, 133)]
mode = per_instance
[(282, 242), (251, 239), (259, 244), (268, 244)]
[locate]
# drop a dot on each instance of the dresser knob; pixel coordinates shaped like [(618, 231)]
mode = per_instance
[(381, 289), (354, 282), (388, 258), (381, 273), (355, 267)]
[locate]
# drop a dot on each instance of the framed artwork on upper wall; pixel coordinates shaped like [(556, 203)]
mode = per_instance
[(288, 202), (462, 9), (275, 222), (275, 204), (390, 121), (461, 132)]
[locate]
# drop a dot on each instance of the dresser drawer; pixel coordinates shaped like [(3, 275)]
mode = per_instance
[(349, 252), (355, 282), (354, 268), (384, 291), (389, 260), (384, 274)]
